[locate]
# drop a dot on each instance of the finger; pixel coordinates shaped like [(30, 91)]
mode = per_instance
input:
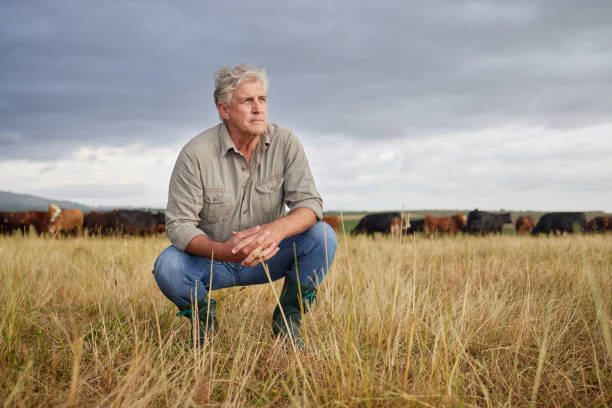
[(270, 253), (242, 244), (252, 230), (266, 252), (258, 253), (252, 256), (254, 240), (245, 241), (254, 263), (262, 237), (263, 257), (247, 232)]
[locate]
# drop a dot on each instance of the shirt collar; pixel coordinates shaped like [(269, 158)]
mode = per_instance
[(227, 144)]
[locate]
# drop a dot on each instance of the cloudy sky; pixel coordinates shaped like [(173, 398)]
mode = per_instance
[(399, 104)]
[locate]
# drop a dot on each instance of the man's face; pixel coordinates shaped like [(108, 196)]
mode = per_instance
[(248, 111)]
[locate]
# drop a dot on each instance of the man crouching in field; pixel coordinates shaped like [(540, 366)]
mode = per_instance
[(226, 211)]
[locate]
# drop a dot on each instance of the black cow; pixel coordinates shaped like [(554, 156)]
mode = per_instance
[(380, 222), (129, 222), (482, 222), (559, 222), (134, 222), (103, 223)]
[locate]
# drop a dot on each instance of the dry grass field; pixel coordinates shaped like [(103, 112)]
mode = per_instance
[(471, 321)]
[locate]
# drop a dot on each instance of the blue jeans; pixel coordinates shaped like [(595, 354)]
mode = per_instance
[(181, 276)]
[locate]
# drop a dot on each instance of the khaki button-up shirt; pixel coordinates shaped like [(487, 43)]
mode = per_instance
[(213, 191)]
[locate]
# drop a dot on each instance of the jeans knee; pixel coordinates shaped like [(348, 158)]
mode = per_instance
[(324, 238), (329, 239), (165, 262), (166, 268)]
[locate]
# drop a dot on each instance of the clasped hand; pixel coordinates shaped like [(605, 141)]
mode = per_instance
[(256, 244)]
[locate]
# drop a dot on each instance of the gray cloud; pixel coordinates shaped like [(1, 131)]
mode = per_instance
[(81, 73)]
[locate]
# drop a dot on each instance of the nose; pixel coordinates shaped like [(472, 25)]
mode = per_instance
[(257, 106)]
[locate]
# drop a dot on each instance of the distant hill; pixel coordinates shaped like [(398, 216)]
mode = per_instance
[(22, 202)]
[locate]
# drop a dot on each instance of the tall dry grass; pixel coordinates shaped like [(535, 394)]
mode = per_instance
[(471, 321)]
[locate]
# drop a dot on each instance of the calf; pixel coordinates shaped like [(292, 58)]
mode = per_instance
[(395, 227), (524, 223), (448, 225)]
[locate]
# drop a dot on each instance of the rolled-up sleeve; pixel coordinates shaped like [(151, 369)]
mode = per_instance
[(185, 201), (300, 190)]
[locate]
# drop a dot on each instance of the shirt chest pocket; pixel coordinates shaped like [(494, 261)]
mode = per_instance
[(217, 205), (271, 195)]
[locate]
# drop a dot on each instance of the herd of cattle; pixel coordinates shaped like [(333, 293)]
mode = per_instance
[(476, 223), (56, 221)]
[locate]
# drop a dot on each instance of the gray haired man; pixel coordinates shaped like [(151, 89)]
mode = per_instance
[(226, 211)]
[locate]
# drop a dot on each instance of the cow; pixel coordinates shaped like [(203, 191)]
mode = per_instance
[(559, 222), (589, 225), (482, 222), (415, 226), (395, 227), (135, 222), (99, 223), (444, 224), (524, 223), (39, 220), (160, 219), (380, 222), (333, 222), (125, 222), (11, 221), (65, 221), (601, 223)]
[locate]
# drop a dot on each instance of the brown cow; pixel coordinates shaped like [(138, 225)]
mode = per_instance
[(444, 224), (333, 221), (395, 227), (39, 220), (65, 221), (399, 225), (589, 225), (524, 223), (601, 223)]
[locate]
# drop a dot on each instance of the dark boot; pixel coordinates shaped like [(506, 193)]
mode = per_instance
[(207, 322), (293, 303)]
